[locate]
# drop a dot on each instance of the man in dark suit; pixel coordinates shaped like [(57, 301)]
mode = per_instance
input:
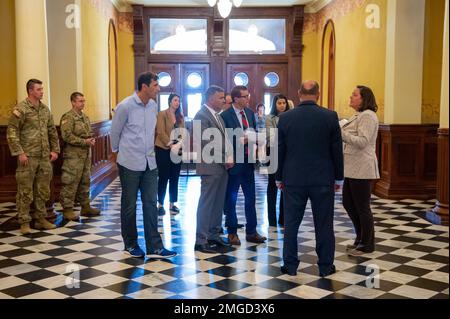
[(310, 164), (242, 120), (213, 171)]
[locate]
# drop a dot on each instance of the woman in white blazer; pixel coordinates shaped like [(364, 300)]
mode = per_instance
[(360, 168)]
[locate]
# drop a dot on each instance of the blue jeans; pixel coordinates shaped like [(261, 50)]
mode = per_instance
[(147, 183), (246, 180)]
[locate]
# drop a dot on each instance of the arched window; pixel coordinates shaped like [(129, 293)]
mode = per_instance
[(112, 61), (328, 65)]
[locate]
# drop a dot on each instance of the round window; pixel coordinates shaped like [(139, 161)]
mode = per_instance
[(164, 79), (194, 80), (241, 79), (271, 79)]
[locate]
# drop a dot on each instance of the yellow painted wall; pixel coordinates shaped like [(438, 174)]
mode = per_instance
[(95, 57), (432, 64), (360, 53), (125, 63), (8, 79), (311, 57), (94, 26)]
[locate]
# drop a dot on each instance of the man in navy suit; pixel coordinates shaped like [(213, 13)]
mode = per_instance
[(310, 167), (241, 119)]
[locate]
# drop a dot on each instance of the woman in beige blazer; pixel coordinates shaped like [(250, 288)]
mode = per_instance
[(360, 168), (168, 172)]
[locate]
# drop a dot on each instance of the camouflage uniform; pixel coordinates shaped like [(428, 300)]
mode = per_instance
[(76, 169), (31, 131)]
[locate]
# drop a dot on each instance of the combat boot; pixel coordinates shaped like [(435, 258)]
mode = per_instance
[(42, 223), (88, 210), (69, 214), (25, 229)]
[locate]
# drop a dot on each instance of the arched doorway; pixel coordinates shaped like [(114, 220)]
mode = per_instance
[(328, 65), (112, 61)]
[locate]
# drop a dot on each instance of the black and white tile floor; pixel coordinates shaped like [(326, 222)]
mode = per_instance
[(412, 257)]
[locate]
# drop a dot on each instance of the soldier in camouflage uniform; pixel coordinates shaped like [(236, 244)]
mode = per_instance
[(77, 134), (32, 137)]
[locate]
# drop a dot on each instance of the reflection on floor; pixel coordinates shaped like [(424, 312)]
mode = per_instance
[(412, 257)]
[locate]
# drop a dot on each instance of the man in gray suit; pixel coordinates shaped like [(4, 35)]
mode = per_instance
[(212, 168)]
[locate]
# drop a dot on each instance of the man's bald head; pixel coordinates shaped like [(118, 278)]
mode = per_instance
[(309, 91)]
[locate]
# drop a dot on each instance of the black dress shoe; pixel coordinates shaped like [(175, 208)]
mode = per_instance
[(174, 210), (360, 250), (284, 270), (354, 245), (205, 248), (331, 271), (240, 225), (224, 249), (219, 242)]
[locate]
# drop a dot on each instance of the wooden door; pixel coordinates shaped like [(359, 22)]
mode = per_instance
[(260, 91)]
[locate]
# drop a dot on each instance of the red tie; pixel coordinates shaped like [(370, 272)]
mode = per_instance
[(245, 126), (244, 121)]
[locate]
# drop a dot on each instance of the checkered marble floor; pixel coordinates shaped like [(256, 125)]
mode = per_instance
[(85, 259)]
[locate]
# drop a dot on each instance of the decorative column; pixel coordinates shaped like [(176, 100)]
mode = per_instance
[(32, 46), (408, 149), (439, 214), (404, 61), (63, 21)]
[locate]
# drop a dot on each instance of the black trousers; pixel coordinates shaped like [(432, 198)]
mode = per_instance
[(272, 192), (168, 172), (356, 200)]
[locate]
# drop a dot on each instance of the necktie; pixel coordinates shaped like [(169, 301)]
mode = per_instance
[(219, 122), (244, 121), (245, 127)]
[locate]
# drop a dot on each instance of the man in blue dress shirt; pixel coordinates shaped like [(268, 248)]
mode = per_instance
[(132, 143)]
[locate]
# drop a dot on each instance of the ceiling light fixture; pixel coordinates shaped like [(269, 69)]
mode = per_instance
[(224, 6)]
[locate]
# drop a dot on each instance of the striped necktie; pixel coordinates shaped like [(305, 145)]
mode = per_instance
[(244, 120), (245, 127)]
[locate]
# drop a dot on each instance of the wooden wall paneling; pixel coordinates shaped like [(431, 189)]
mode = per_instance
[(140, 41), (407, 157), (296, 53), (7, 170), (103, 170), (219, 40)]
